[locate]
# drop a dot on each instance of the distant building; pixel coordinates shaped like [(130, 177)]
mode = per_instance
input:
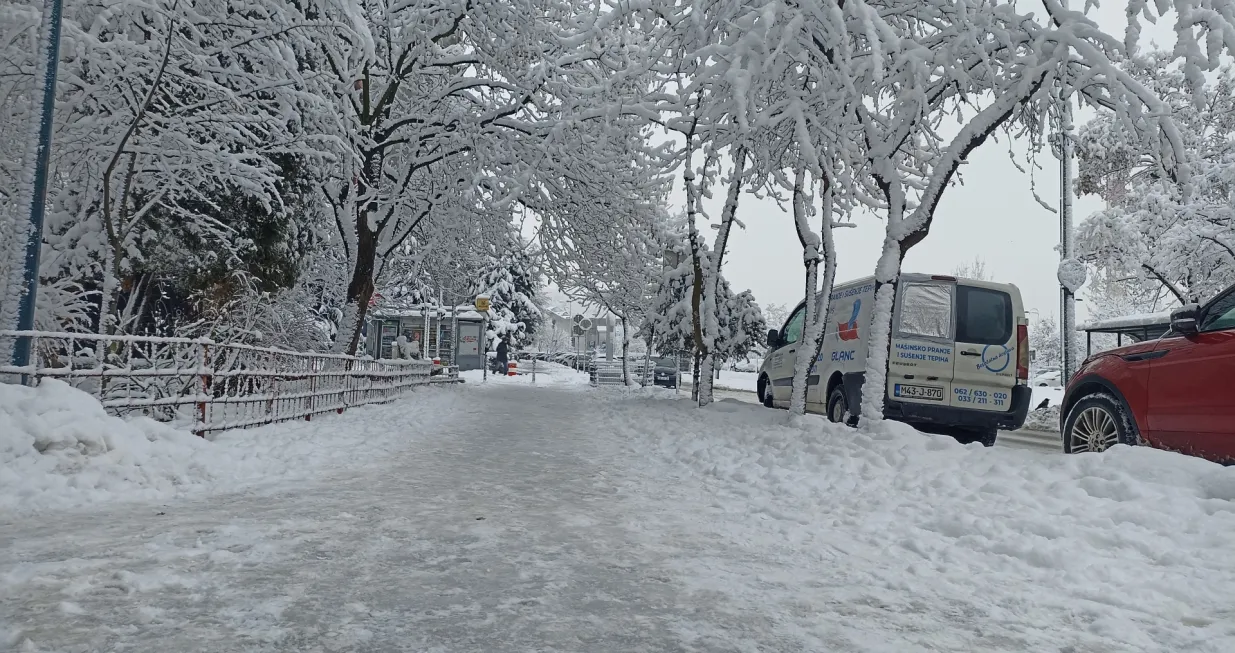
[(598, 336)]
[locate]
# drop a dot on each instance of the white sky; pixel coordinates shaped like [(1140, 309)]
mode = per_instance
[(992, 215)]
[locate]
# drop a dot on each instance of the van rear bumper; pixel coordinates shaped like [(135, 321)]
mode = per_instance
[(963, 417), (938, 415)]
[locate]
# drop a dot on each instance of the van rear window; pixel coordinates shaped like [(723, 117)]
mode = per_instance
[(926, 311), (983, 316)]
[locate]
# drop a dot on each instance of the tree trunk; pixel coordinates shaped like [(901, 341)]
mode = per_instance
[(804, 357), (107, 291), (359, 289), (696, 255), (803, 360), (694, 376), (711, 288), (879, 347), (816, 311), (625, 360)]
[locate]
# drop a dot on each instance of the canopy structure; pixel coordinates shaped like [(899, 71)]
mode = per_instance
[(1138, 328)]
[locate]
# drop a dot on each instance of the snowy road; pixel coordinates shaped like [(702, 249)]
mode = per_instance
[(586, 520)]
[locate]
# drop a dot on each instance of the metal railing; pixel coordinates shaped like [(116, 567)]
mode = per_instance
[(605, 372), (208, 386)]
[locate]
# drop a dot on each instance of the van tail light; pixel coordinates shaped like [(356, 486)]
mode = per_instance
[(1022, 352)]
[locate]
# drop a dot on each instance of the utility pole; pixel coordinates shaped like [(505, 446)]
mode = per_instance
[(34, 190), (1067, 285)]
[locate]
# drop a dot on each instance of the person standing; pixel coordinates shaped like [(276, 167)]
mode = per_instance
[(503, 354)]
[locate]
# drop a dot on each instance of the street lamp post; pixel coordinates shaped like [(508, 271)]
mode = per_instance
[(1067, 283), (34, 187)]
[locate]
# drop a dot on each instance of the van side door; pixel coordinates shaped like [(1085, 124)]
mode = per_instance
[(986, 349), (920, 363), (786, 353)]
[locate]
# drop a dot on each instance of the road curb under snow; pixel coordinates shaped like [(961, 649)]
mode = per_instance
[(1032, 439), (1024, 438)]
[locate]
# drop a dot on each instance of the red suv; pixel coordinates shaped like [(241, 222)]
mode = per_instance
[(1176, 392)]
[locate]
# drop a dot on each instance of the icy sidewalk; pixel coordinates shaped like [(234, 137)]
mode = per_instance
[(504, 528), (599, 520)]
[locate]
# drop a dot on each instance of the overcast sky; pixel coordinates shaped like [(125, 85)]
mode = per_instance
[(993, 215)]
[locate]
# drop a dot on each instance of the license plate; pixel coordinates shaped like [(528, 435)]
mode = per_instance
[(918, 392)]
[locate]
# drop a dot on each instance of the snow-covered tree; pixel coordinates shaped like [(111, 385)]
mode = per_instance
[(775, 314), (742, 323), (435, 99), (1017, 88), (512, 281), (552, 339), (609, 263), (1150, 232), (1044, 341), (166, 113), (975, 269), (669, 324)]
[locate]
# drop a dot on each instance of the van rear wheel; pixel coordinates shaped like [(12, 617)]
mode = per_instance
[(838, 407), (968, 436)]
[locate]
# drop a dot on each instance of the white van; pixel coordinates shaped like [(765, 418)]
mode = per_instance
[(959, 358)]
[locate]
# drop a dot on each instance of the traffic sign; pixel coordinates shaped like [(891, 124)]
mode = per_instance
[(482, 303)]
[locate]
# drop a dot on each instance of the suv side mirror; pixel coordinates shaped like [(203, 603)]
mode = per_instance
[(1183, 319), (773, 338)]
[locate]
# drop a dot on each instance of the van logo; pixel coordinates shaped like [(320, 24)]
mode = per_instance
[(849, 330), (995, 358)]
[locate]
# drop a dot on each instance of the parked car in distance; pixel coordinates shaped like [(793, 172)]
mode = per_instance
[(1047, 378), (1172, 393), (747, 365), (666, 372)]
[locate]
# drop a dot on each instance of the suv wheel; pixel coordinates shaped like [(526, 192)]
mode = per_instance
[(1097, 423), (764, 390)]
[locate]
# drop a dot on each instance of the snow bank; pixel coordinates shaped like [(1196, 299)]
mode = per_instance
[(546, 374), (57, 446), (60, 449), (1134, 543), (730, 380), (1045, 420)]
